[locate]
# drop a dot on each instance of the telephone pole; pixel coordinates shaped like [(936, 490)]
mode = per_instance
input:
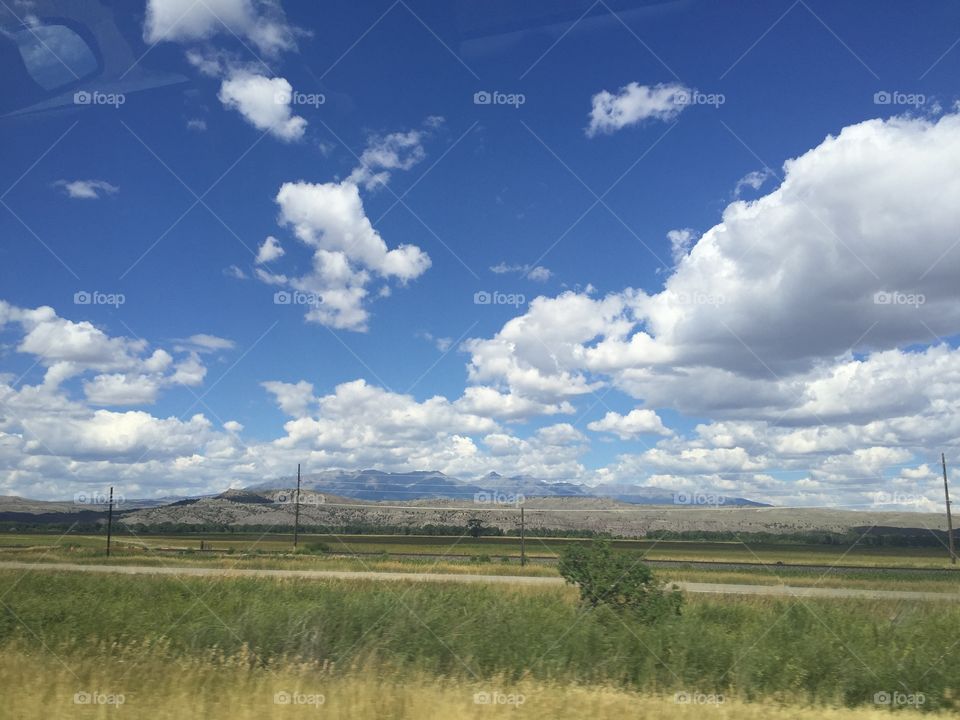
[(946, 493), (296, 512), (109, 520), (523, 539)]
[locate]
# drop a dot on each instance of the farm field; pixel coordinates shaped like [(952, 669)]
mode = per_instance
[(469, 556), (357, 643)]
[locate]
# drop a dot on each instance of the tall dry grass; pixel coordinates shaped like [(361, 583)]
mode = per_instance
[(112, 681)]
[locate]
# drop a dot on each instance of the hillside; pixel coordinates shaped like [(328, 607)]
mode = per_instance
[(274, 508)]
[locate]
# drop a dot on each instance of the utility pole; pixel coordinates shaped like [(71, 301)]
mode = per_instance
[(523, 539), (296, 512), (109, 520), (946, 493)]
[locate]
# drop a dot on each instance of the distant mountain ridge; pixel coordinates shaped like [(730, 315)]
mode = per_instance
[(378, 485)]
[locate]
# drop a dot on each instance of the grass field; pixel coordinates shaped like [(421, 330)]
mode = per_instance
[(278, 561), (499, 556), (453, 640), (933, 582), (918, 557)]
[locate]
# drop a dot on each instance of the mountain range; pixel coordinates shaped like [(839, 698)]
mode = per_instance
[(377, 485)]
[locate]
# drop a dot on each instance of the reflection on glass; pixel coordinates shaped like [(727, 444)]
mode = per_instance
[(54, 55)]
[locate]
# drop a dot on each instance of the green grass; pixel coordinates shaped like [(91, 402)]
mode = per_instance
[(827, 652), (304, 560), (852, 579)]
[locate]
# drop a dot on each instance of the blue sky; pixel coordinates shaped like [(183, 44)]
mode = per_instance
[(752, 351)]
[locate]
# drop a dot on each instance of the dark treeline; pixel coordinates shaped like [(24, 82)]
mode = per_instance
[(875, 537), (862, 537)]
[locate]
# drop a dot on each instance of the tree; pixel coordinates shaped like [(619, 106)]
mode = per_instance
[(619, 580), (475, 527)]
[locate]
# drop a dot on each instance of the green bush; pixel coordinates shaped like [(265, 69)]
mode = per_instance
[(619, 580)]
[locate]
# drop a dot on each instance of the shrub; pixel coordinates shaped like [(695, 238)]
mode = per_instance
[(619, 580)]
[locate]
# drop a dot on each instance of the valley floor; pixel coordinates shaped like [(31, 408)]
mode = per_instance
[(689, 587)]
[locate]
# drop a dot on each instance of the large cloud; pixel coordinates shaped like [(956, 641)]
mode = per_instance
[(862, 235), (811, 317), (348, 253), (856, 250), (330, 216), (127, 372)]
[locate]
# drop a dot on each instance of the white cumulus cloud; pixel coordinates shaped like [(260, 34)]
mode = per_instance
[(627, 427), (634, 103), (264, 102), (269, 250), (348, 251)]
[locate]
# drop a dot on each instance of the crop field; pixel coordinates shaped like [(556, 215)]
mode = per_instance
[(419, 650)]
